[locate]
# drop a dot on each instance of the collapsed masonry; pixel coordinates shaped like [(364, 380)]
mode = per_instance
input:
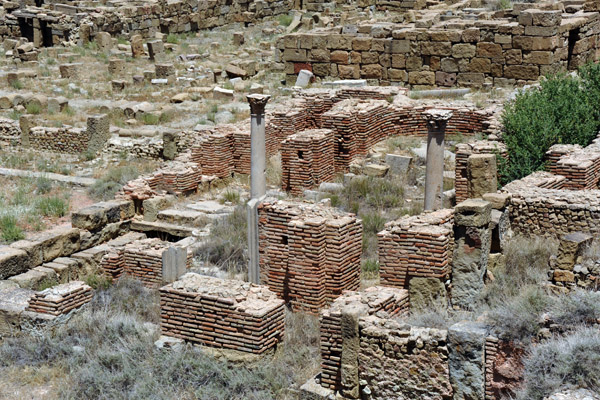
[(219, 313), (309, 254), (458, 46)]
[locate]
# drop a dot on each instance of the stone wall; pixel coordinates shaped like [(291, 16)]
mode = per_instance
[(400, 361), (212, 13), (507, 47), (374, 300), (309, 254), (416, 246)]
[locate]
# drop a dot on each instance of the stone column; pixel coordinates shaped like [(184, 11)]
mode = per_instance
[(434, 178), (174, 263), (466, 360), (258, 183), (472, 241)]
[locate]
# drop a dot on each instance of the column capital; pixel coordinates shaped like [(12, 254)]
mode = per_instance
[(437, 118), (257, 102)]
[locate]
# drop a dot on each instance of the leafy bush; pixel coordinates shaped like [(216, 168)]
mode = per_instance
[(9, 230), (34, 108), (569, 361), (562, 110)]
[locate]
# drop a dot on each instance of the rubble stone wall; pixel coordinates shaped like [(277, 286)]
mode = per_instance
[(512, 47), (61, 140), (400, 361)]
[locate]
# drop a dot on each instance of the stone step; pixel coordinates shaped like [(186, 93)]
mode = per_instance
[(183, 217), (163, 227), (33, 278)]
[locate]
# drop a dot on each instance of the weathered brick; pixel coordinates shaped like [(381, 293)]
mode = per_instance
[(400, 46), (538, 57), (361, 43), (339, 57), (436, 48), (480, 65), (398, 61), (513, 56), (349, 71), (398, 75), (371, 71), (445, 79), (470, 79)]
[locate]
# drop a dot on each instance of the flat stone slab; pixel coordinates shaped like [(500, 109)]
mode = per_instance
[(175, 230), (73, 180), (210, 207)]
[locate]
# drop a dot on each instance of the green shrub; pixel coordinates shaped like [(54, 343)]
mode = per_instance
[(9, 230), (172, 38), (150, 119), (569, 361), (370, 268), (52, 206), (34, 108), (563, 110), (285, 19)]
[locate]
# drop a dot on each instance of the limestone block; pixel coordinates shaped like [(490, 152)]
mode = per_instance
[(70, 70), (104, 41), (116, 66), (421, 78), (427, 293), (164, 70), (466, 360), (488, 49), (154, 205), (526, 72), (137, 46), (473, 213), (437, 48), (376, 170), (498, 201), (156, 48), (58, 242), (399, 165), (444, 78), (98, 215), (463, 50), (570, 248), (481, 174), (13, 261)]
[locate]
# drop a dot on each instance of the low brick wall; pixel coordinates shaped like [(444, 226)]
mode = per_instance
[(222, 313), (61, 299), (307, 159)]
